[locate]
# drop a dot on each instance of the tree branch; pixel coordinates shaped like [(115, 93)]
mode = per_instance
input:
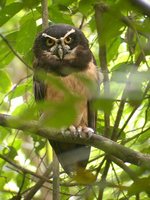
[(39, 184), (100, 9), (56, 181), (44, 14), (108, 146)]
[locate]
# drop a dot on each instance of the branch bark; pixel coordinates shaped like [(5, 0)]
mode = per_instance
[(99, 11), (44, 14), (108, 146)]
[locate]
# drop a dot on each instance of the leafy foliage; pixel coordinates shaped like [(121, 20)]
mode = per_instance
[(122, 32)]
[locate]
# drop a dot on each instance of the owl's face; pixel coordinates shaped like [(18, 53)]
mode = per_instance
[(62, 49)]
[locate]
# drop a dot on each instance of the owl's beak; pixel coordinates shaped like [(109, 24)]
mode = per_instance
[(60, 52)]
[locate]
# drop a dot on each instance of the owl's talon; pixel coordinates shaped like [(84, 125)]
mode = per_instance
[(65, 132), (70, 131), (79, 129), (73, 130), (86, 132), (82, 132)]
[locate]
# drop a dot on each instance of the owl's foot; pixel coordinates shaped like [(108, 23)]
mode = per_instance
[(83, 132), (71, 130)]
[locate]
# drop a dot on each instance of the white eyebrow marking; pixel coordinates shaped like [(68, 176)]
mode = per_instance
[(46, 35), (62, 38), (68, 33)]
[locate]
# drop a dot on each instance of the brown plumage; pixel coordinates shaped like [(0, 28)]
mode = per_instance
[(62, 51)]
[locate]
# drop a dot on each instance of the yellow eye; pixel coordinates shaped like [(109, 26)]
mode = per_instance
[(50, 42), (68, 40)]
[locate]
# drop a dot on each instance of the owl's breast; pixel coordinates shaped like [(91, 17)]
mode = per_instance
[(78, 84), (72, 85)]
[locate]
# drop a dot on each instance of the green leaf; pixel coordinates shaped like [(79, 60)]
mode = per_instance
[(38, 146), (2, 182), (113, 48), (110, 25), (9, 11), (120, 72), (20, 109), (11, 152), (2, 3), (3, 132), (20, 90), (26, 36), (105, 104), (65, 2), (140, 185), (85, 7), (30, 3), (29, 57), (6, 55), (144, 136), (59, 17), (134, 91), (57, 114), (5, 83), (26, 111)]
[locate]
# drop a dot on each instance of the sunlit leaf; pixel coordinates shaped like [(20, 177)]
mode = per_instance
[(85, 7), (9, 11), (6, 55), (84, 177), (5, 82), (140, 185), (30, 3), (20, 90), (26, 36), (11, 152), (104, 103), (2, 3), (58, 17)]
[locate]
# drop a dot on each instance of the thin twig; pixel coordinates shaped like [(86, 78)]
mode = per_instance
[(99, 11), (22, 169), (103, 179), (39, 184), (56, 182)]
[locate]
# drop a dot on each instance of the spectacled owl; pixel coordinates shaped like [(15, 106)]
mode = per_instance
[(62, 51)]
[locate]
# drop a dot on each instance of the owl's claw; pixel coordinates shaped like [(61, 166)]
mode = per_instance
[(70, 131), (83, 132)]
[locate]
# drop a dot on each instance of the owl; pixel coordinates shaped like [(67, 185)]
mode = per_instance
[(62, 51)]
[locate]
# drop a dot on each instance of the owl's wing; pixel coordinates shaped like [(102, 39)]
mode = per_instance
[(39, 89), (92, 114), (38, 85)]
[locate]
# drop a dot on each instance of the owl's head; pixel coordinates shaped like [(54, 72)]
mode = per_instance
[(62, 49)]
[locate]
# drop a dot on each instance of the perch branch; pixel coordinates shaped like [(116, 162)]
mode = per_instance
[(108, 146)]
